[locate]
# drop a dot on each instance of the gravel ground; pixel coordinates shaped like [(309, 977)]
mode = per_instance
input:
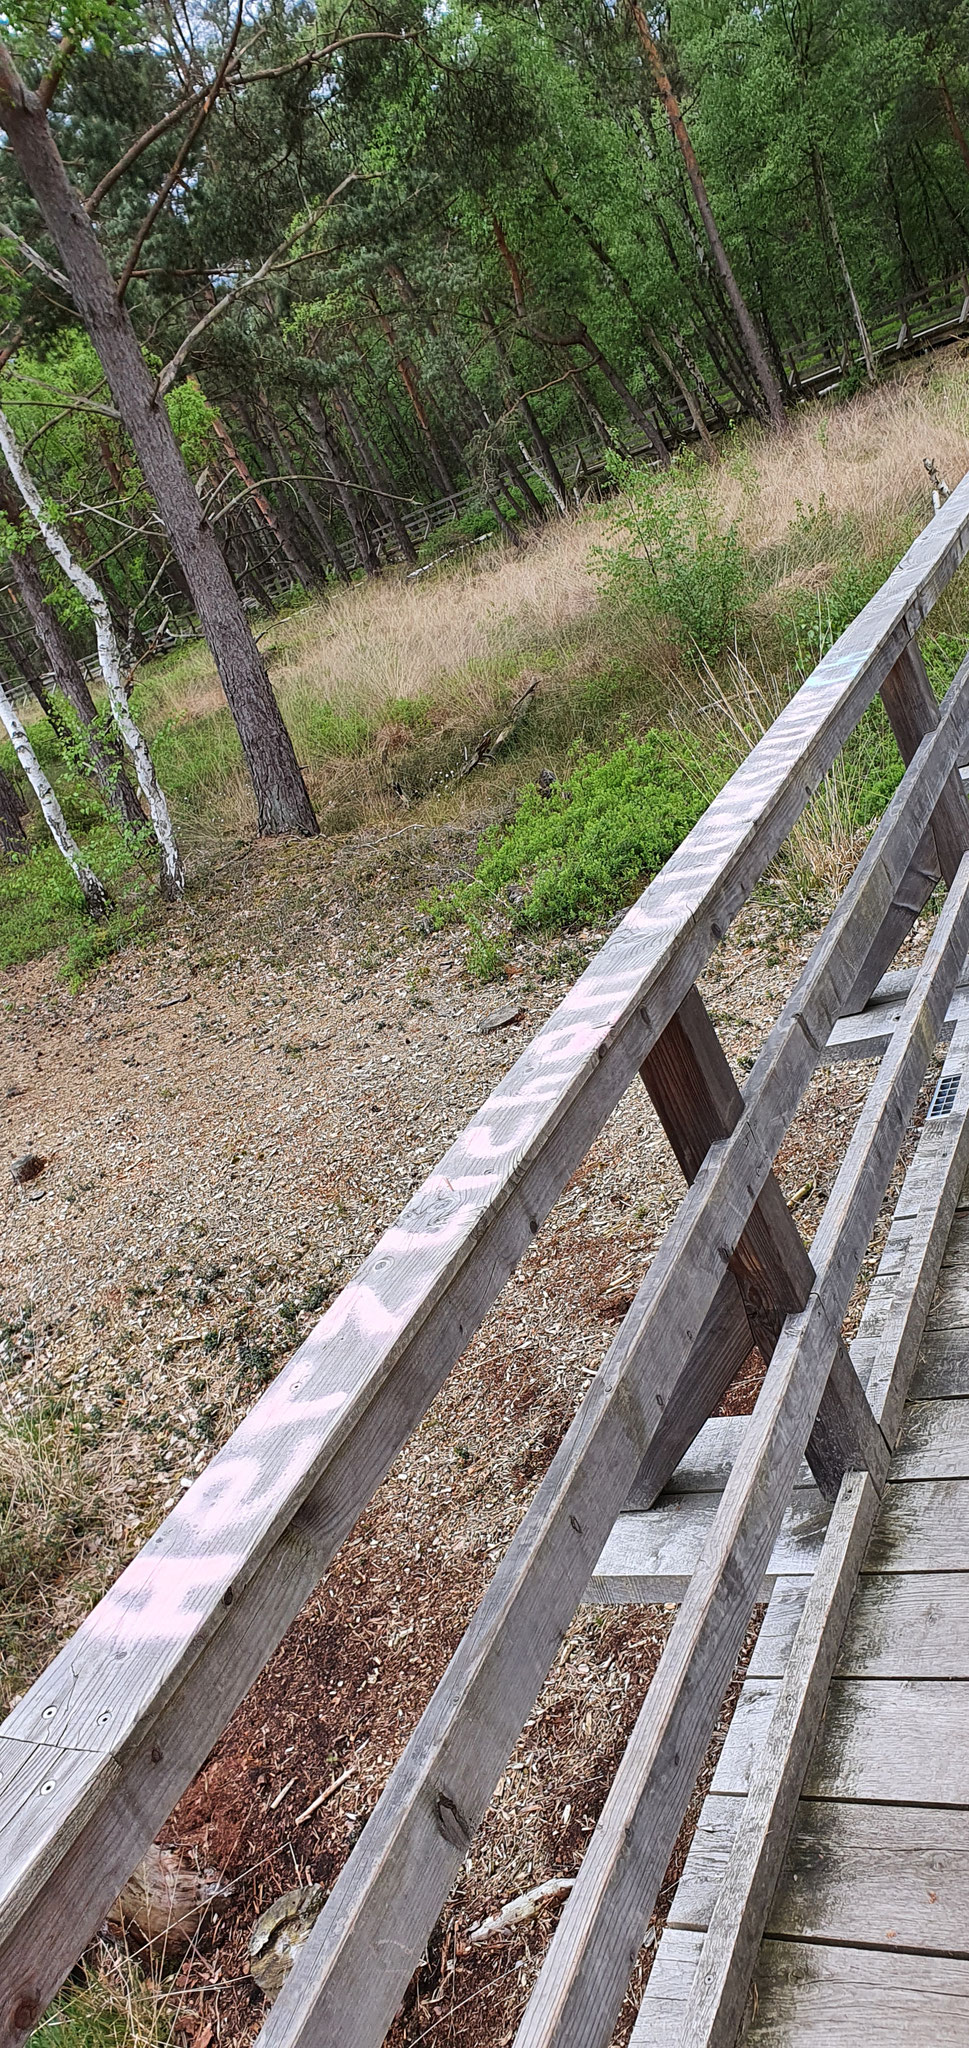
[(230, 1117)]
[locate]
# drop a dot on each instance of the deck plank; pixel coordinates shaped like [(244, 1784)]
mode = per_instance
[(813, 1996), (893, 1877), (894, 1739)]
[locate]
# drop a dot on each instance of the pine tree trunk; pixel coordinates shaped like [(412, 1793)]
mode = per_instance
[(345, 492), (756, 352), (258, 500), (283, 440), (546, 466), (408, 377), (634, 409), (12, 835), (953, 122), (282, 799), (378, 475)]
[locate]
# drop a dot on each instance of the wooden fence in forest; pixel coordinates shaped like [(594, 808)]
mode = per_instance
[(96, 1753), (932, 319)]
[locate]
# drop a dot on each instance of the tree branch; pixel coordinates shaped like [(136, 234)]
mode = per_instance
[(167, 376), (165, 189), (53, 276)]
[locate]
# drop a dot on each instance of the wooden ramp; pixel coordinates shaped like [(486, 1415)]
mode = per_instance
[(866, 1935), (649, 1495)]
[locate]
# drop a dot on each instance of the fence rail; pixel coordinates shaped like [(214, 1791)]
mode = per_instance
[(94, 1756)]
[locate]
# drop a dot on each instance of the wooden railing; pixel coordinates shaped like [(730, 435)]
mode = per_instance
[(94, 1756)]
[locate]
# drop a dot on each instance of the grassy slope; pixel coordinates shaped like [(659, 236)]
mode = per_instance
[(388, 687)]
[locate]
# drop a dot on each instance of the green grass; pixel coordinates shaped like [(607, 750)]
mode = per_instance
[(589, 846), (41, 908), (122, 2012)]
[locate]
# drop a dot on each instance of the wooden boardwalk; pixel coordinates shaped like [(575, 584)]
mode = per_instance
[(867, 1932), (650, 1493)]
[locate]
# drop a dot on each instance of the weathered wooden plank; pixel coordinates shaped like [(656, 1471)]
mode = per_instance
[(913, 711), (912, 1253), (864, 1034), (659, 2023), (905, 1625), (908, 1625), (923, 1526), (698, 1102), (705, 1466), (934, 1441), (882, 1876), (583, 1977), (719, 1991), (376, 1920), (901, 1740), (815, 1996), (776, 1634), (942, 1371), (652, 1557)]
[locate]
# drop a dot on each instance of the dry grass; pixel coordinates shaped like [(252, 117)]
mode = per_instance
[(725, 716), (375, 645), (863, 458), (383, 684)]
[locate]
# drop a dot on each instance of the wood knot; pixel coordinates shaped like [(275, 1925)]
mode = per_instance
[(452, 1824), (25, 2013)]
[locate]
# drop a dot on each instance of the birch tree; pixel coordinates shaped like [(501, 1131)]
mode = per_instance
[(109, 654), (282, 799), (95, 900)]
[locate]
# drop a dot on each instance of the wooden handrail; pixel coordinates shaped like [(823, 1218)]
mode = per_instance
[(376, 1921), (97, 1752)]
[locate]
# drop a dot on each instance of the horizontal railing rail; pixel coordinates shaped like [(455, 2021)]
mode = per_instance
[(94, 1756)]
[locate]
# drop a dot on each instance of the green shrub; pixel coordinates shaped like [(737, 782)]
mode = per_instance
[(41, 905), (484, 957), (588, 847), (668, 558)]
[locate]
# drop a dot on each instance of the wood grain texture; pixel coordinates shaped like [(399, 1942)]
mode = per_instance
[(880, 1876), (580, 1986), (935, 1441), (719, 1991), (925, 1637), (812, 1996), (923, 1526), (206, 1600), (698, 1102), (659, 2023), (864, 1034), (376, 1921), (900, 1740), (913, 711), (652, 1557)]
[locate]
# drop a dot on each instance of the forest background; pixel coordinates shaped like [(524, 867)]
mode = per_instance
[(296, 300)]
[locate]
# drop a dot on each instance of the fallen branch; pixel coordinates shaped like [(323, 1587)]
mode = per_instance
[(526, 1907)]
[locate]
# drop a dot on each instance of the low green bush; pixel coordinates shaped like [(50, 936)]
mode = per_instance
[(669, 559), (586, 848)]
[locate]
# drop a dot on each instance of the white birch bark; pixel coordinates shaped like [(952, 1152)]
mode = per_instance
[(109, 655), (94, 897)]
